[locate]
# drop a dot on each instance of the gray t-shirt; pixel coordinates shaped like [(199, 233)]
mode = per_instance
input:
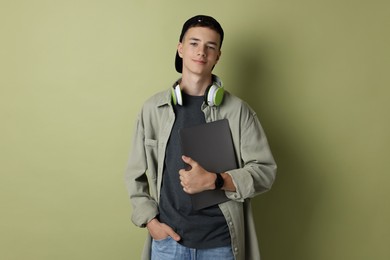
[(206, 228)]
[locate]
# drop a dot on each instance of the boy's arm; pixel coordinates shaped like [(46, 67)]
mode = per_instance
[(256, 175), (258, 170), (196, 179), (144, 205)]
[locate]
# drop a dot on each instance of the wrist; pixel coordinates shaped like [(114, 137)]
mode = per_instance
[(152, 223), (219, 181)]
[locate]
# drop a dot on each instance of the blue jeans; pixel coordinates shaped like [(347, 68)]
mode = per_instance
[(169, 249)]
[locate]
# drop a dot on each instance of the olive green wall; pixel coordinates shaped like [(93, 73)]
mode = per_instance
[(75, 73)]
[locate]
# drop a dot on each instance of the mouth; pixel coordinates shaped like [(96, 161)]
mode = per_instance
[(200, 61)]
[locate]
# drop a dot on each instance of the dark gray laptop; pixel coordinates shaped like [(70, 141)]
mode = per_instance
[(212, 147)]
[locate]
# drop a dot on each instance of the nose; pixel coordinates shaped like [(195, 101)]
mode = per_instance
[(202, 50)]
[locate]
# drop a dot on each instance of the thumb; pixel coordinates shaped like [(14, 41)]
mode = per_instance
[(172, 233), (175, 236), (190, 163), (187, 160)]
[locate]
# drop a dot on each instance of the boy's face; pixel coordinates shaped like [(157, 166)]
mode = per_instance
[(200, 50)]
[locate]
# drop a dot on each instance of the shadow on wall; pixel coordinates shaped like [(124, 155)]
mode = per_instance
[(282, 215)]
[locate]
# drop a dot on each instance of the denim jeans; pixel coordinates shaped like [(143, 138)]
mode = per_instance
[(169, 249)]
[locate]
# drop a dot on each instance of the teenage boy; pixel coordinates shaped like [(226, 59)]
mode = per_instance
[(160, 185)]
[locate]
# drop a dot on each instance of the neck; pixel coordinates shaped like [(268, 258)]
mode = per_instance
[(195, 85)]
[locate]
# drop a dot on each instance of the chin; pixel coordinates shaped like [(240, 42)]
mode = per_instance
[(203, 71)]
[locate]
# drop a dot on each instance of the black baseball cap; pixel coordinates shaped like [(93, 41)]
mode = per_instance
[(201, 21)]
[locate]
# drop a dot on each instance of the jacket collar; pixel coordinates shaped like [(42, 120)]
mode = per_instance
[(165, 99)]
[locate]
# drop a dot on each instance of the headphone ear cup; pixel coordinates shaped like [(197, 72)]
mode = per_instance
[(218, 96), (214, 95), (176, 95), (173, 94)]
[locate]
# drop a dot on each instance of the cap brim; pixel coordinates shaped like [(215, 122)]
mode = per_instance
[(178, 63)]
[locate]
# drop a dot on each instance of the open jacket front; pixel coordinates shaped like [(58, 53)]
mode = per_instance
[(255, 174)]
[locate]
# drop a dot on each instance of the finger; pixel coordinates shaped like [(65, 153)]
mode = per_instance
[(183, 172), (189, 191)]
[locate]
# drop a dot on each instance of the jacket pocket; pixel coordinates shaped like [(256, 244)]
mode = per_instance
[(151, 149)]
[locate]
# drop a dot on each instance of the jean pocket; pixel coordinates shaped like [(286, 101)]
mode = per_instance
[(166, 249), (163, 245)]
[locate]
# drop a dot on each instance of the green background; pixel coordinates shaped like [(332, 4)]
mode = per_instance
[(74, 74)]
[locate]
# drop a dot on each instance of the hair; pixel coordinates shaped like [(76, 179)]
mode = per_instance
[(203, 21)]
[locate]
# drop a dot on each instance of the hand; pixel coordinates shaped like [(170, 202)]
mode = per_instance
[(160, 230), (196, 179)]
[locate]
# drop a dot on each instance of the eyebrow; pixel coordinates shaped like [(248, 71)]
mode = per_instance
[(198, 40)]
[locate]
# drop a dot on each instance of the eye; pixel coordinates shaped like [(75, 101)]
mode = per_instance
[(193, 43)]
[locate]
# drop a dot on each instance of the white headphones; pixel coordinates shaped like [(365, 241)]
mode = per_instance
[(213, 95)]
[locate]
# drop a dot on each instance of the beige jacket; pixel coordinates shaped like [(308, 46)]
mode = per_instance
[(255, 175)]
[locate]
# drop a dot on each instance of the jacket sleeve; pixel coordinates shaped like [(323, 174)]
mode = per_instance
[(144, 206), (257, 166)]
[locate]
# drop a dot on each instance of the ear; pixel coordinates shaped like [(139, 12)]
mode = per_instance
[(180, 49), (218, 56)]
